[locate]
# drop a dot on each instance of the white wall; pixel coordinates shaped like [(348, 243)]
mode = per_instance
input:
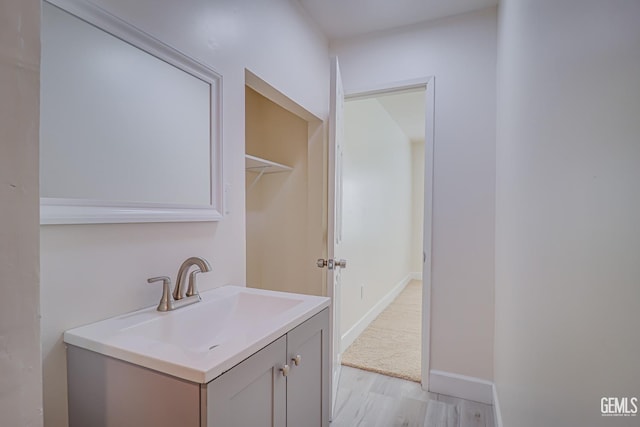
[(20, 369), (567, 211), (376, 210), (90, 272), (461, 53)]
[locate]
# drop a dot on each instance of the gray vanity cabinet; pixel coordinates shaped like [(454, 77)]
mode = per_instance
[(253, 393), (107, 392), (257, 393)]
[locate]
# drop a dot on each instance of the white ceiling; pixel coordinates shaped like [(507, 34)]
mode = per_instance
[(345, 18)]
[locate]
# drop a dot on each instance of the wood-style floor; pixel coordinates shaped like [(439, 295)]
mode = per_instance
[(367, 399)]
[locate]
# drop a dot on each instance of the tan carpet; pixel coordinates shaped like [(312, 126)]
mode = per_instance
[(391, 343)]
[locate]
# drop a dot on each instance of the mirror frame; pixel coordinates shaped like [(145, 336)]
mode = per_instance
[(93, 211)]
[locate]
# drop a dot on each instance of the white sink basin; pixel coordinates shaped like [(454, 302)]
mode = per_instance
[(206, 325), (200, 341)]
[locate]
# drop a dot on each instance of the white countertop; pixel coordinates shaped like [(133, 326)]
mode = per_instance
[(201, 341)]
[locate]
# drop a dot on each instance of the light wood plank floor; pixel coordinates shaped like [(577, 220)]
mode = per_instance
[(367, 399)]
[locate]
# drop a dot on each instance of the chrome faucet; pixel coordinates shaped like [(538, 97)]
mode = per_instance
[(202, 266), (167, 303)]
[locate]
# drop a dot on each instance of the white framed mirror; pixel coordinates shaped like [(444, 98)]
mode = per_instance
[(130, 128)]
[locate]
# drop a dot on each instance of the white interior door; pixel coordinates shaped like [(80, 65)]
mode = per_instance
[(427, 226), (334, 220)]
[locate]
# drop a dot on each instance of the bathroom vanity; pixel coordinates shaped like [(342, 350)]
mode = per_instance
[(241, 357)]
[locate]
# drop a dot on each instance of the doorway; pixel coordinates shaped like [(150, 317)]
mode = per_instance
[(382, 223), (336, 141)]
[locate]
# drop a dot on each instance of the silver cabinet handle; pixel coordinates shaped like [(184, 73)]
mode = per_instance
[(342, 263), (285, 370), (297, 360)]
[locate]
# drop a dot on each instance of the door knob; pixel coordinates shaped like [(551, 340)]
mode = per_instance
[(331, 263)]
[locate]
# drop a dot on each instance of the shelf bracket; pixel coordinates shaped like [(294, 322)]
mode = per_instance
[(257, 178)]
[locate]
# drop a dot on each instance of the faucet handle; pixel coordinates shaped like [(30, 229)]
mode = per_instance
[(192, 289), (166, 303)]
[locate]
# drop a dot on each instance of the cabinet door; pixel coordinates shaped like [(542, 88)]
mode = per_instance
[(308, 382), (252, 394)]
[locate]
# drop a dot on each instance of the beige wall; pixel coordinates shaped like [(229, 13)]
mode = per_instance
[(460, 52), (20, 368), (277, 205), (567, 211), (377, 210), (90, 272)]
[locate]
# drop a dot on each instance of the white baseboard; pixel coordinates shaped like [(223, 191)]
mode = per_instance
[(497, 415), (462, 386), (354, 332), (416, 275)]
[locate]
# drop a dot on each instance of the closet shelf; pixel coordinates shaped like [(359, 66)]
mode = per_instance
[(256, 164), (262, 166)]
